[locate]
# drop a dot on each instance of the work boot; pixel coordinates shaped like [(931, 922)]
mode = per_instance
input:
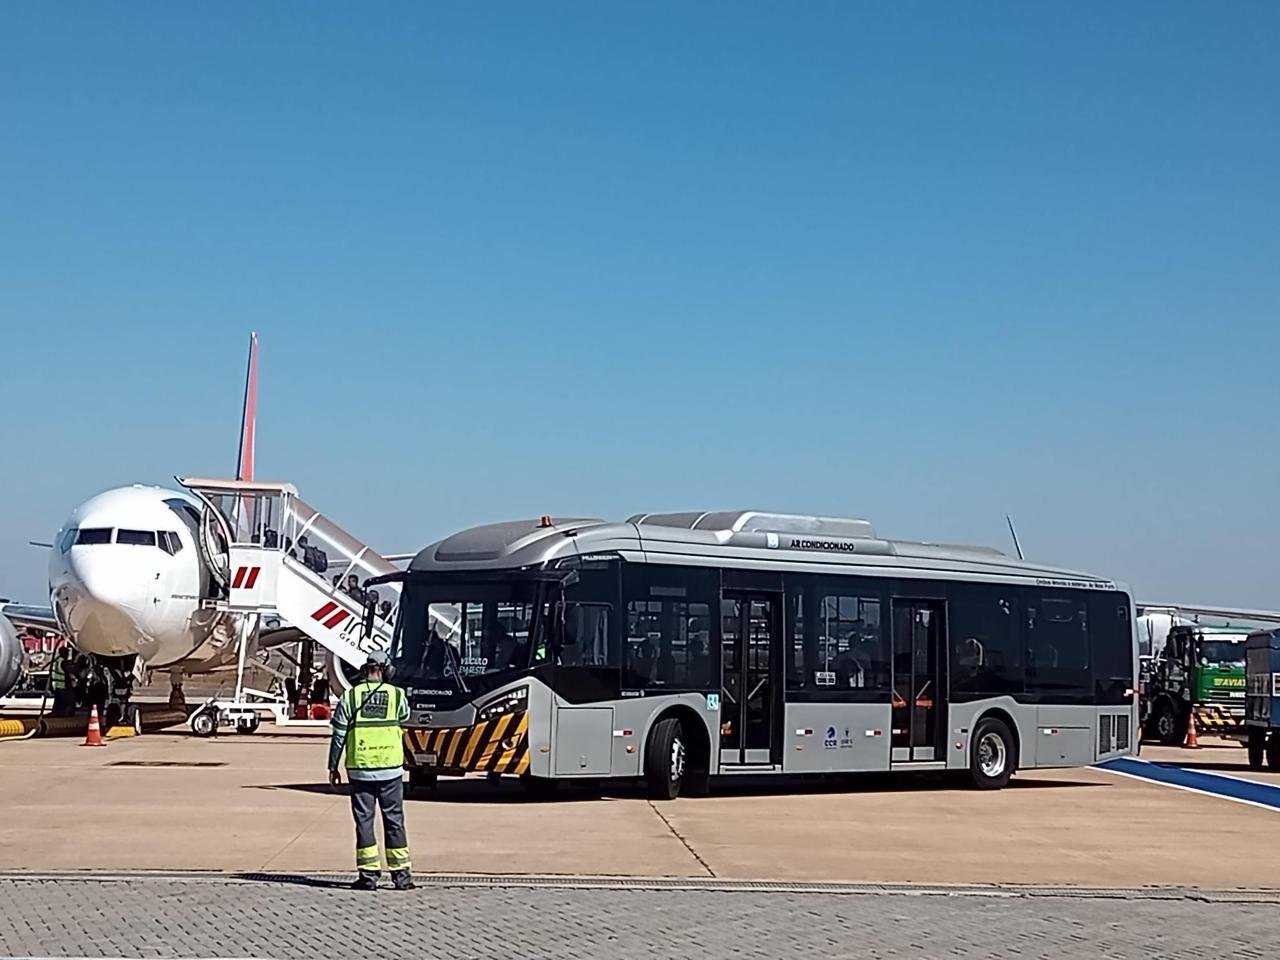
[(403, 879), (366, 881)]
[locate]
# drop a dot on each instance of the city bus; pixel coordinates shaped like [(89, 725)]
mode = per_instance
[(678, 648)]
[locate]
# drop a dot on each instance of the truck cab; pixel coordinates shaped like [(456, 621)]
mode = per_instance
[(1200, 671)]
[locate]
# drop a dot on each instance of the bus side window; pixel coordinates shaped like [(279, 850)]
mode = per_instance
[(668, 627), (986, 651)]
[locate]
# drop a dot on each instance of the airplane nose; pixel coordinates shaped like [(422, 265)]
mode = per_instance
[(102, 603)]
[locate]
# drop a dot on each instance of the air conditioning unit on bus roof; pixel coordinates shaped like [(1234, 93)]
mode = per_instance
[(760, 521)]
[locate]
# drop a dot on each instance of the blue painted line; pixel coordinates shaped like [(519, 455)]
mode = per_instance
[(1247, 791)]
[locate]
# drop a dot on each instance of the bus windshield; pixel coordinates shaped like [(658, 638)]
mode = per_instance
[(455, 631)]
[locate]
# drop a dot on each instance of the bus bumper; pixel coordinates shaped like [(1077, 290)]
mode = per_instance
[(499, 746)]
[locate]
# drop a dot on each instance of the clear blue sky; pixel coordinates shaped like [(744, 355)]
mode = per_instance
[(926, 264)]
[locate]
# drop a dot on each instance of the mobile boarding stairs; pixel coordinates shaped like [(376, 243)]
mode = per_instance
[(277, 563)]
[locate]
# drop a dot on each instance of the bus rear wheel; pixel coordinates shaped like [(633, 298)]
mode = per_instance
[(991, 755), (664, 759)]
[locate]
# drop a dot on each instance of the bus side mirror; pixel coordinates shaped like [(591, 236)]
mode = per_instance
[(370, 609)]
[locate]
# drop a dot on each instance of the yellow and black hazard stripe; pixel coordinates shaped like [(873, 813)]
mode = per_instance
[(1211, 718), (500, 745)]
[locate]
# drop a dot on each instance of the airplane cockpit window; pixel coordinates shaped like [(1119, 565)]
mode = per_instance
[(91, 535), (140, 538), (68, 539), (169, 542)]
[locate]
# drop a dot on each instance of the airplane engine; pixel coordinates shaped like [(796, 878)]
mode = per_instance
[(342, 675), (10, 656)]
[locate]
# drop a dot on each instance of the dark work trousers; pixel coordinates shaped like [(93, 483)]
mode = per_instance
[(64, 702), (389, 796)]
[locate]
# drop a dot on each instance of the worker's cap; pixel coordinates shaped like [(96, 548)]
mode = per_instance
[(378, 658)]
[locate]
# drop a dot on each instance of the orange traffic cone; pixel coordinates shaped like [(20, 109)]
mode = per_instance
[(94, 736), (1193, 742)]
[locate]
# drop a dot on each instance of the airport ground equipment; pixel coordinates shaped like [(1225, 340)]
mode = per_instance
[(1200, 670), (1262, 697), (672, 648), (278, 560)]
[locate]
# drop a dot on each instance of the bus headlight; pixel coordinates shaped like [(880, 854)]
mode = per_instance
[(509, 701)]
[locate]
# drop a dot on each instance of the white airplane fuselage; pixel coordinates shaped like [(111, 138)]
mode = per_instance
[(126, 577)]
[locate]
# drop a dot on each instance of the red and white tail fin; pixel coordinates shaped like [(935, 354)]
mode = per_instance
[(249, 418)]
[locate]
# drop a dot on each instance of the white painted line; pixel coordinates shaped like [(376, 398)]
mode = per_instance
[(1182, 786)]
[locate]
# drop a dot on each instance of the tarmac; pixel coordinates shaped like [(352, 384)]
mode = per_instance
[(260, 803)]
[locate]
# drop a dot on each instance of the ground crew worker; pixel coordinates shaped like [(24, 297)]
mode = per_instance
[(60, 683), (366, 727)]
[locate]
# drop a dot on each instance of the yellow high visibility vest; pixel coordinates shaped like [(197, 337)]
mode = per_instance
[(59, 674), (374, 740)]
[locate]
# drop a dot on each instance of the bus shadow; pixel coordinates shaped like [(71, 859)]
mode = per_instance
[(479, 791), (875, 783), (510, 791)]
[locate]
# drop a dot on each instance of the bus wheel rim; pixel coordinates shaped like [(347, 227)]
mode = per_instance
[(991, 754), (677, 760)]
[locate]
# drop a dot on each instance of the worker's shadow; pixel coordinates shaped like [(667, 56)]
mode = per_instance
[(296, 879), (339, 791)]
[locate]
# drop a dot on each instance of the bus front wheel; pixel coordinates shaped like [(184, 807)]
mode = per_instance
[(664, 759), (991, 755), (420, 779)]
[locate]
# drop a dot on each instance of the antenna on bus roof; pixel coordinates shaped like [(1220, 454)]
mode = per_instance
[(1014, 533)]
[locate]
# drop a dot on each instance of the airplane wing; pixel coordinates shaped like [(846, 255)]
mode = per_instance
[(30, 615), (1225, 613)]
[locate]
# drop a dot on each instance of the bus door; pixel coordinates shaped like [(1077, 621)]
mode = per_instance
[(918, 683), (750, 678)]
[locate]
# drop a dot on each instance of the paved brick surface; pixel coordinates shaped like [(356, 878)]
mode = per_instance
[(296, 917)]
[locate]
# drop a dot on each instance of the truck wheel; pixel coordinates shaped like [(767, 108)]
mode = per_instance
[(1256, 744), (1273, 751), (991, 755), (664, 758), (1170, 728)]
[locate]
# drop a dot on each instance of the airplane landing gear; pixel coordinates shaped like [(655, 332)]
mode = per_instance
[(177, 699), (107, 683)]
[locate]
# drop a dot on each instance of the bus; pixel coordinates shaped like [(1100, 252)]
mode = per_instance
[(677, 648)]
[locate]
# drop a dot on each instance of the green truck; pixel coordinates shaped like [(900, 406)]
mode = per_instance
[(1200, 671)]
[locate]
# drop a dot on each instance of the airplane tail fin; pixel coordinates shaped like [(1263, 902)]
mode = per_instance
[(249, 417)]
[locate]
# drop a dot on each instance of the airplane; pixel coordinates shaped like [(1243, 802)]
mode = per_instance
[(126, 581)]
